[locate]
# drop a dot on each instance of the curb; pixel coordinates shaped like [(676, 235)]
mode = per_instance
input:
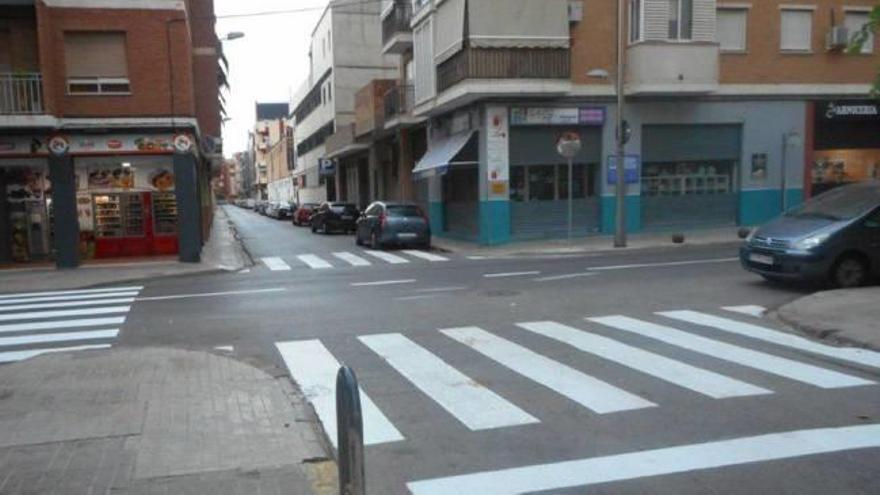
[(828, 335)]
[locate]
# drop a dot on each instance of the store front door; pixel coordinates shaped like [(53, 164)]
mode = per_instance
[(847, 144), (25, 212)]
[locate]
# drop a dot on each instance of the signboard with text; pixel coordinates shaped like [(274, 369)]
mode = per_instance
[(497, 151), (632, 166), (525, 116)]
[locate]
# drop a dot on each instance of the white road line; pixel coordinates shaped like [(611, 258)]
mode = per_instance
[(276, 264), (43, 315), (476, 258), (352, 259), (211, 294), (661, 265), (425, 255), (853, 355), (477, 407), (388, 257), (749, 309), (225, 348), (565, 277), (71, 292), (13, 356), (584, 389), (47, 325), (684, 375), (418, 298), (510, 274), (83, 297), (657, 462), (384, 282), (441, 289), (314, 262), (313, 367), (787, 368), (58, 337), (73, 304)]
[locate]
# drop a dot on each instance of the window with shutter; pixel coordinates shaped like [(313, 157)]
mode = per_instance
[(96, 63), (796, 30), (854, 21), (732, 28)]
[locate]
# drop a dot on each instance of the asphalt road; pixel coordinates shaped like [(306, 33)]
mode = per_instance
[(494, 399)]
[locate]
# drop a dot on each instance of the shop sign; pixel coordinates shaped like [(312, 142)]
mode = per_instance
[(851, 110), (497, 151), (87, 145), (327, 167), (632, 165), (183, 143), (59, 145), (525, 116)]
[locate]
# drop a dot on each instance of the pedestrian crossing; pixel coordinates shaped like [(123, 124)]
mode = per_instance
[(610, 341), (61, 321), (358, 259)]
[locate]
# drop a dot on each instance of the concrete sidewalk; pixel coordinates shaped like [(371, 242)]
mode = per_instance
[(848, 316), (155, 420), (591, 244), (222, 252)]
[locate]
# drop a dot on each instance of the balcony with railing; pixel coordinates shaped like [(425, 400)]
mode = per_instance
[(665, 67), (396, 30), (369, 106), (21, 94), (504, 63), (399, 102)]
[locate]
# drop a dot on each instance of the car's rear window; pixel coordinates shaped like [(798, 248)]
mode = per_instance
[(310, 206), (404, 211), (347, 209)]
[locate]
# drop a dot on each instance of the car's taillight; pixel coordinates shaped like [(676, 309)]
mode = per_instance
[(383, 221)]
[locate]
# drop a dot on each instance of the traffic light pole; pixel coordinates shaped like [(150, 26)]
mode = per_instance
[(620, 210)]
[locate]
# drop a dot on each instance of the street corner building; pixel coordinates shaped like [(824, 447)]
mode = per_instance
[(109, 129), (736, 111)]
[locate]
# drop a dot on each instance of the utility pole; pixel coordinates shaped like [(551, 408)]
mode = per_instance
[(620, 210)]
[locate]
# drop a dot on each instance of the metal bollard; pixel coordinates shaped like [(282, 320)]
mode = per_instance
[(349, 433)]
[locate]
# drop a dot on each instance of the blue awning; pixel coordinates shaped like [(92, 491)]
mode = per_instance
[(442, 155)]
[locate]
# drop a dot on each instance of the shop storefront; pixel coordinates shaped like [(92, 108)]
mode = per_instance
[(846, 144), (25, 211), (689, 175)]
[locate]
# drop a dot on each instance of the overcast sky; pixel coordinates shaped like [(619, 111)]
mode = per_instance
[(268, 63)]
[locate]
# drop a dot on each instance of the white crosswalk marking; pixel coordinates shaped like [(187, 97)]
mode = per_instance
[(749, 309), (670, 460), (475, 406), (787, 368), (47, 325), (13, 356), (72, 292), (75, 297), (853, 355), (314, 262), (313, 367), (352, 259), (388, 257), (276, 264), (42, 338), (425, 255), (71, 304), (584, 389), (44, 315), (699, 380)]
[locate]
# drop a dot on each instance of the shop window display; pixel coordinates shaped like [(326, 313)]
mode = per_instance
[(550, 182), (28, 197), (688, 178)]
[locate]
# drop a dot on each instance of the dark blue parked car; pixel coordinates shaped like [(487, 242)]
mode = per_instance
[(834, 238)]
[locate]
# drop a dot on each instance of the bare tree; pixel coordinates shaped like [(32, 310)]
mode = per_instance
[(862, 37)]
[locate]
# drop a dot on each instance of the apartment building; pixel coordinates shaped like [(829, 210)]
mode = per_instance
[(736, 109), (273, 167), (109, 127), (345, 52)]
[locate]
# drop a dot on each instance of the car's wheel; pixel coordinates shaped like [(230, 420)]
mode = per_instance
[(314, 228), (850, 271), (357, 239)]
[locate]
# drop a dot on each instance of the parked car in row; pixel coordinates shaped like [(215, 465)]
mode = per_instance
[(397, 224), (833, 238), (303, 214), (339, 217), (279, 210)]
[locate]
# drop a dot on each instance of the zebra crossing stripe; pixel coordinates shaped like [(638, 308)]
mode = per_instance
[(57, 337), (72, 292), (425, 255), (387, 257), (749, 309), (584, 389), (47, 325), (313, 367), (475, 406), (787, 368), (13, 356), (699, 380), (853, 355), (44, 315), (276, 264), (657, 462), (72, 304), (314, 262), (75, 297), (352, 259)]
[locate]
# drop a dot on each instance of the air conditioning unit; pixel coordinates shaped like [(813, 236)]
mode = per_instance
[(575, 11), (837, 38)]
